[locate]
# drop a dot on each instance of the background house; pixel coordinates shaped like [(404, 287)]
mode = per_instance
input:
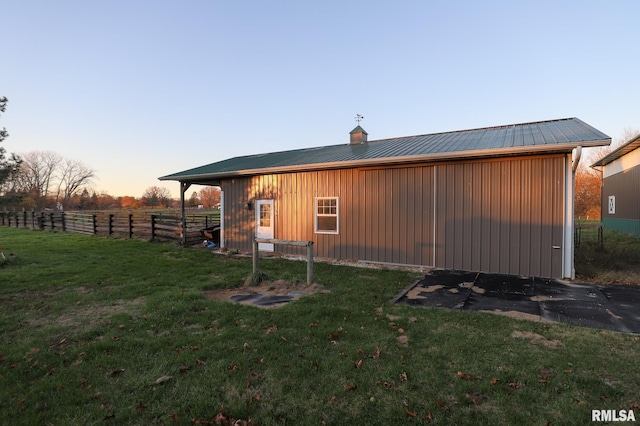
[(621, 188), (496, 199)]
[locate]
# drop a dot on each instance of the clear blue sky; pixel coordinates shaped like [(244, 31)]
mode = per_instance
[(139, 89)]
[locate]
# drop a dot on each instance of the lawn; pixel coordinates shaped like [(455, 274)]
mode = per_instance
[(108, 331)]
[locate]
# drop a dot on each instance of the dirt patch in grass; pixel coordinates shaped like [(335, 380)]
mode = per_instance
[(537, 339), (89, 315), (267, 288)]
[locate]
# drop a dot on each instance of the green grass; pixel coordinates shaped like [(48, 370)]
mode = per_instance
[(92, 328), (616, 261)]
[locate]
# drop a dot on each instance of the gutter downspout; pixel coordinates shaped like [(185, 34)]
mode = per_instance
[(569, 270)]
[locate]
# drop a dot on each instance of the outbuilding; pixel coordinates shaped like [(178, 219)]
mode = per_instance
[(620, 205), (495, 199)]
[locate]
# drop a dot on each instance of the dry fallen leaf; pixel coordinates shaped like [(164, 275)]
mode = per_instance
[(464, 376), (377, 354), (114, 373), (163, 379)]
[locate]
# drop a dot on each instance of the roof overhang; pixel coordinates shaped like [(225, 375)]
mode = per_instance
[(631, 145)]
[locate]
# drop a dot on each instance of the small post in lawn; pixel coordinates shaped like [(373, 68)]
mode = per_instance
[(309, 262), (255, 256), (307, 244)]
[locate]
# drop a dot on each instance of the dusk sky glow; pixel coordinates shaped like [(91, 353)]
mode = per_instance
[(142, 89)]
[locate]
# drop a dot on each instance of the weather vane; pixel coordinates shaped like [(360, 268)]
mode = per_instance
[(359, 118)]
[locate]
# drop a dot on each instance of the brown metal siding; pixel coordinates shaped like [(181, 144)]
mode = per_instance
[(386, 215), (501, 216), (625, 186), (491, 215)]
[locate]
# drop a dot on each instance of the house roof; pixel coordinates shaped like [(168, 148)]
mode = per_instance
[(517, 139), (618, 152)]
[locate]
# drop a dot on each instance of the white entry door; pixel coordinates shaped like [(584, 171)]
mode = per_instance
[(264, 223)]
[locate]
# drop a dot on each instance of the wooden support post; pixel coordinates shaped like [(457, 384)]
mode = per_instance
[(53, 225), (255, 256), (153, 226), (24, 216), (95, 223), (64, 222), (130, 225), (310, 263), (307, 244), (110, 226), (183, 188)]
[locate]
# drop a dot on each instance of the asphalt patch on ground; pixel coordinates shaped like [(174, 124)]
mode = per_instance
[(608, 307)]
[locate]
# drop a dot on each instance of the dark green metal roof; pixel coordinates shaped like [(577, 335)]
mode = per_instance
[(517, 139)]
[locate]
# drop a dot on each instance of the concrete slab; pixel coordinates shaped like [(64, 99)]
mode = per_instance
[(597, 306)]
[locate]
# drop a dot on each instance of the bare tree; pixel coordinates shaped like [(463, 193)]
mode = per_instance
[(73, 177), (38, 172), (155, 196), (594, 154), (209, 196)]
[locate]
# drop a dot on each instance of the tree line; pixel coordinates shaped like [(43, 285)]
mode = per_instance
[(45, 179), (41, 180)]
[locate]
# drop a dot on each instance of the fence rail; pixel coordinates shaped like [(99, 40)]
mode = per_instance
[(165, 226)]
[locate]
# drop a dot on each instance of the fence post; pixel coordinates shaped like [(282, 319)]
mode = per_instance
[(53, 225), (24, 216), (110, 226), (130, 225), (255, 256), (17, 220), (95, 224), (153, 226), (309, 262), (64, 222)]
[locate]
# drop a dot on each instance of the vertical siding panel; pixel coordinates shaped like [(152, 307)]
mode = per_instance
[(494, 217), (558, 228), (397, 209), (386, 219), (517, 193), (439, 200), (376, 213), (524, 251), (414, 194), (467, 212), (428, 205), (475, 210), (546, 215), (504, 217), (361, 193), (534, 215)]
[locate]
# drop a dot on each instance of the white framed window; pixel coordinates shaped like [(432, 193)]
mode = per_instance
[(612, 204), (326, 214)]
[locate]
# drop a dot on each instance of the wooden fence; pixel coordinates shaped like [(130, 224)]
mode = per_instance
[(149, 225)]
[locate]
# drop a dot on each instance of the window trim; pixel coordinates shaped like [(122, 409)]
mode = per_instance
[(317, 215)]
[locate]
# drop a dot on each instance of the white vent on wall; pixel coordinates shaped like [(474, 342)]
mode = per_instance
[(612, 204)]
